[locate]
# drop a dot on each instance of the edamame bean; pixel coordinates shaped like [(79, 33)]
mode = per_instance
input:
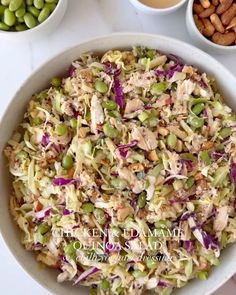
[(67, 162), (36, 120), (100, 216), (93, 291), (21, 27), (20, 12), (33, 11), (51, 6), (143, 116), (151, 263), (61, 129), (73, 123), (119, 183), (171, 140), (100, 86), (5, 2), (119, 290), (30, 21), (43, 228), (87, 207), (44, 14), (189, 183), (56, 82), (158, 88), (39, 4), (15, 4), (196, 122), (110, 131), (109, 105), (29, 2), (198, 108), (21, 20), (219, 147), (225, 132), (22, 155), (50, 1), (9, 17), (2, 9), (70, 250), (204, 155), (161, 224), (139, 274), (104, 285), (142, 200), (202, 275), (4, 27)]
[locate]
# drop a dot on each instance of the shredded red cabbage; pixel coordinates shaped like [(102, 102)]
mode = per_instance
[(66, 212), (169, 73), (45, 140), (162, 284), (112, 70), (62, 181), (86, 274), (124, 148), (187, 246), (176, 58), (43, 213), (71, 71)]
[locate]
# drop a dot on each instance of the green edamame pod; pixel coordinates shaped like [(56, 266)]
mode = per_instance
[(20, 12), (44, 14), (9, 17), (33, 11), (50, 1), (15, 4), (30, 21), (4, 27), (39, 4)]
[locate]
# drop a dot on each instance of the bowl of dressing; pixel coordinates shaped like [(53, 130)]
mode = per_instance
[(158, 7)]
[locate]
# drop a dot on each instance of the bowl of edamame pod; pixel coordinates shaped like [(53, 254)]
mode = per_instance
[(30, 19)]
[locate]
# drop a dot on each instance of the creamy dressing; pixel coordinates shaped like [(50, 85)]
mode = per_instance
[(160, 3)]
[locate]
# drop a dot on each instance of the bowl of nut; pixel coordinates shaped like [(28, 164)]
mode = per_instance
[(29, 19), (212, 25)]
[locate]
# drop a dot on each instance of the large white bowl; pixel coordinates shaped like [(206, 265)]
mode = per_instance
[(40, 79)]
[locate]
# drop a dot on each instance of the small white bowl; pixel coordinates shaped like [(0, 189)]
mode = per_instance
[(200, 40), (156, 11), (42, 29)]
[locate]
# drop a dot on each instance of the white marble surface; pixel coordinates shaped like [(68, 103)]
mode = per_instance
[(84, 19)]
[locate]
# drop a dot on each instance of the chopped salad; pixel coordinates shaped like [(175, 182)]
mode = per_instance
[(124, 175)]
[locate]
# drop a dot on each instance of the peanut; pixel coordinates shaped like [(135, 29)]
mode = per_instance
[(225, 5), (215, 2), (152, 156), (232, 24), (228, 15), (197, 8), (205, 3), (224, 39), (209, 29), (207, 12), (198, 23), (215, 20), (208, 144)]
